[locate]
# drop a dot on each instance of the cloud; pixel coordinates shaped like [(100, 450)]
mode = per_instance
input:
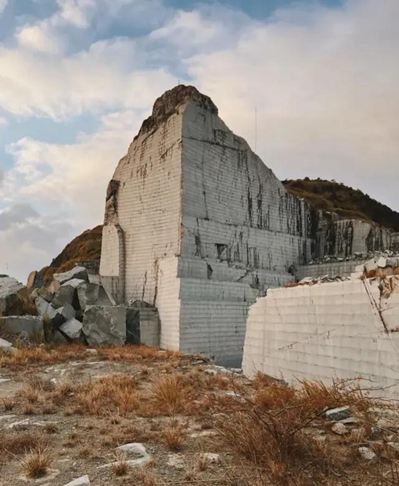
[(40, 37), (16, 214), (319, 84), (323, 85), (65, 183), (105, 77)]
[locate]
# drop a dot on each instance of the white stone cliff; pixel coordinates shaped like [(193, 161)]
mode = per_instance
[(198, 226)]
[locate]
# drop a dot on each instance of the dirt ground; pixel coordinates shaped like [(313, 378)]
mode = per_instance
[(65, 411)]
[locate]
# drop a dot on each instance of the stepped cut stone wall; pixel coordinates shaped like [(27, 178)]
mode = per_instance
[(198, 226), (332, 330)]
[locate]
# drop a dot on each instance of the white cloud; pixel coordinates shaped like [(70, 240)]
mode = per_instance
[(65, 184), (40, 37), (323, 83), (104, 77)]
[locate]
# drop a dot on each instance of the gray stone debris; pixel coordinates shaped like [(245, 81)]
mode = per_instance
[(339, 413), (104, 325), (339, 428), (82, 481), (30, 326), (92, 294), (65, 295), (134, 448), (210, 457), (367, 453), (41, 306), (71, 328), (75, 282), (176, 461), (62, 314), (9, 288), (5, 345), (77, 272)]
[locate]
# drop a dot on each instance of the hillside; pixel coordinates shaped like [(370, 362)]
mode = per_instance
[(84, 248), (343, 200)]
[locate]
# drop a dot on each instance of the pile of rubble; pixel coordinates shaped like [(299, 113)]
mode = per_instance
[(379, 266), (76, 307)]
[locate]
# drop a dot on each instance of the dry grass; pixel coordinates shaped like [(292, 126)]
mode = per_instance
[(8, 404), (120, 468), (112, 394), (36, 463), (174, 438), (58, 353), (14, 443), (170, 394), (39, 355), (268, 430), (133, 353)]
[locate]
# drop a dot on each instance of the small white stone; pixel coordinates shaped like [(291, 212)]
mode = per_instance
[(211, 457), (133, 448), (338, 413), (339, 428), (367, 453), (176, 461), (82, 481), (203, 433)]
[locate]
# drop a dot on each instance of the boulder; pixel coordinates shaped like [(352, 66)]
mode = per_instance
[(76, 272), (71, 328), (92, 294), (5, 345), (31, 326), (41, 306), (382, 262), (65, 295), (9, 298), (61, 315), (104, 324), (142, 325), (34, 280)]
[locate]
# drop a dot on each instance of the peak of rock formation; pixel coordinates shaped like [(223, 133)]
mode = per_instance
[(167, 104)]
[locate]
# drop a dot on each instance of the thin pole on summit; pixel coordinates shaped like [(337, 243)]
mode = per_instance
[(256, 127)]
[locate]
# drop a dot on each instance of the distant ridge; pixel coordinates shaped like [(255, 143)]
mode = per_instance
[(343, 200)]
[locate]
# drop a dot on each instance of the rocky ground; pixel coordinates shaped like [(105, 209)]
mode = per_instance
[(137, 415)]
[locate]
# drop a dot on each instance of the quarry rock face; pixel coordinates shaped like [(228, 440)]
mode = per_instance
[(325, 331), (197, 225)]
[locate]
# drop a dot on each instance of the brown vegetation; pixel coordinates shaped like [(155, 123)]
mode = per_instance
[(36, 463), (343, 200), (84, 248)]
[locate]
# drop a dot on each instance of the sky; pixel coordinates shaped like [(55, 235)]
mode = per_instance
[(77, 77)]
